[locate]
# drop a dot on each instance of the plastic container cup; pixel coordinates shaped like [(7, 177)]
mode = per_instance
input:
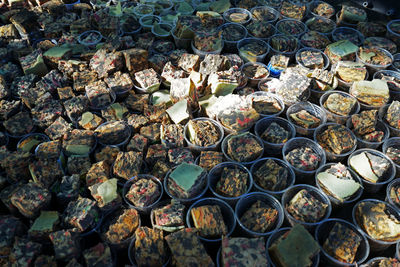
[(94, 228), (215, 175), (105, 224), (374, 262), (249, 199), (143, 10), (314, 191), (124, 139), (319, 42), (147, 22), (316, 93), (374, 68), (129, 30), (229, 44), (370, 187), (297, 142), (396, 62), (290, 179), (361, 143), (280, 27), (395, 182), (197, 148), (255, 58), (262, 125), (358, 38), (298, 57), (92, 43), (252, 82), (394, 36), (131, 181), (166, 27), (271, 14), (268, 95), (375, 245), (228, 131), (299, 5), (310, 108), (225, 149), (120, 94), (332, 117), (160, 7), (394, 132), (264, 38), (131, 254), (321, 234), (392, 142), (38, 137), (227, 15), (168, 229), (330, 156), (315, 4), (98, 108), (202, 54), (319, 19), (334, 201), (227, 214), (262, 84), (342, 23), (382, 42), (289, 54), (181, 43), (277, 234), (186, 201), (394, 92)]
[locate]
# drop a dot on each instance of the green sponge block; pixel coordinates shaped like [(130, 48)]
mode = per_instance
[(179, 111), (44, 224), (34, 64), (295, 249), (186, 175)]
